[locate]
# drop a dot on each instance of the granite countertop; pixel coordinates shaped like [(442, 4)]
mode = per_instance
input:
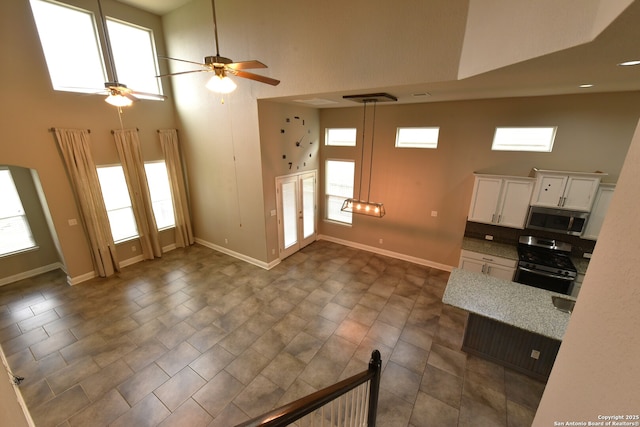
[(514, 304)]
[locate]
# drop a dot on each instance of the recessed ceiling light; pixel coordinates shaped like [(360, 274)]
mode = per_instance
[(586, 85), (630, 63)]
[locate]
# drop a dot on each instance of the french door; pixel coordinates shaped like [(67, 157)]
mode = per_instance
[(296, 197)]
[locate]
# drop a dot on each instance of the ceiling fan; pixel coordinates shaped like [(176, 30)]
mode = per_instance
[(119, 94), (222, 66)]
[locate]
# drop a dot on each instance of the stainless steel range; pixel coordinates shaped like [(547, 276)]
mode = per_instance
[(545, 263)]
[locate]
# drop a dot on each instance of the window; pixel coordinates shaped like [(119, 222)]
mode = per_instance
[(539, 139), (339, 186), (117, 202), (160, 194), (15, 234), (419, 137), (340, 137), (72, 50), (135, 57)]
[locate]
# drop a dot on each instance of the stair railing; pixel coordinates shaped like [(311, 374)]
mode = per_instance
[(350, 402)]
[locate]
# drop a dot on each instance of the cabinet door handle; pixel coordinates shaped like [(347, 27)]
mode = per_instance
[(560, 201), (564, 200), (493, 218), (483, 267), (487, 259), (499, 218)]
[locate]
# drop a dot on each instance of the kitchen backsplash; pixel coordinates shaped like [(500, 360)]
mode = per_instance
[(511, 235)]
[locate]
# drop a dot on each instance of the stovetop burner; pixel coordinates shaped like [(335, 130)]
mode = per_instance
[(546, 255)]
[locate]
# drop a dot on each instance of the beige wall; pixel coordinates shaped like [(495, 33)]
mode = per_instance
[(45, 257), (593, 134), (35, 107), (281, 126), (596, 371)]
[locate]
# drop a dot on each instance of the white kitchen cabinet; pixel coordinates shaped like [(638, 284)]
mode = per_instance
[(500, 200), (598, 211), (491, 265), (565, 190)]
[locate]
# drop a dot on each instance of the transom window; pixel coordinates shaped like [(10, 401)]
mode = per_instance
[(340, 137), (339, 186), (72, 49), (15, 234), (417, 137), (537, 139)]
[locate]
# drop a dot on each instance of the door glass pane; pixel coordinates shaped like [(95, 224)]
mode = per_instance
[(308, 208), (289, 214)]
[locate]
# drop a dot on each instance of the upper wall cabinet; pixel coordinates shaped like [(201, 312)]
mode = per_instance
[(501, 200), (598, 211), (565, 190)]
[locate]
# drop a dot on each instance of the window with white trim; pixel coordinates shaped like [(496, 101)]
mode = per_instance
[(134, 54), (417, 137), (72, 49), (118, 203), (535, 139), (338, 187), (15, 234), (340, 137), (71, 46), (160, 192)]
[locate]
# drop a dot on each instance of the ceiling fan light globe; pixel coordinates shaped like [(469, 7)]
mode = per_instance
[(118, 100), (221, 84)]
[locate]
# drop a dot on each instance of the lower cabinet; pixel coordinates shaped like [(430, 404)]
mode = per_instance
[(515, 348), (502, 268)]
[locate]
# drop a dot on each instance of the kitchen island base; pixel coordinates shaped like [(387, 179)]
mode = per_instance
[(523, 351)]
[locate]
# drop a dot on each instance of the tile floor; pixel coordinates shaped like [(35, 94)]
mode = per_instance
[(198, 338)]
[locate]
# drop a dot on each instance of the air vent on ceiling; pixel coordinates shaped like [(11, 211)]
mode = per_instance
[(371, 97)]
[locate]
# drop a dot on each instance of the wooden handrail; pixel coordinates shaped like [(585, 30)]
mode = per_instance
[(295, 410)]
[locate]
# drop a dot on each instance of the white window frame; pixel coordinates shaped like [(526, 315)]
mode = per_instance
[(117, 205), (136, 68), (12, 217), (334, 197), (417, 137), (340, 137), (74, 52), (160, 192), (538, 139)]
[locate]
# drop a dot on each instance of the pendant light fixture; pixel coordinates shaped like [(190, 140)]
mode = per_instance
[(359, 206)]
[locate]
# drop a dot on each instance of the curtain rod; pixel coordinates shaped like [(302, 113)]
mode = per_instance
[(166, 129), (113, 131), (54, 129)]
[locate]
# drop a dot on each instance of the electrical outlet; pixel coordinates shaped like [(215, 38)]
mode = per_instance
[(488, 237), (434, 213), (73, 221), (133, 249), (535, 354), (226, 240), (380, 241)]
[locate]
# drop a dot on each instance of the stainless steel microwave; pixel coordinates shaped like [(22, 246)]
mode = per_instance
[(557, 220)]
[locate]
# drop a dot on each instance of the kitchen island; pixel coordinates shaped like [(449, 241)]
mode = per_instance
[(509, 323)]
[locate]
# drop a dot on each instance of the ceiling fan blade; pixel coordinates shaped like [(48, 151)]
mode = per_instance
[(182, 72), (244, 65), (129, 96), (256, 77), (147, 95), (182, 60)]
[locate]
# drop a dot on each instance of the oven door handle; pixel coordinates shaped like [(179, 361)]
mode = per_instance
[(543, 273)]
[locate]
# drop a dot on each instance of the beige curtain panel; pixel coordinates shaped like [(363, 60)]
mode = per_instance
[(171, 150), (75, 150), (128, 146)]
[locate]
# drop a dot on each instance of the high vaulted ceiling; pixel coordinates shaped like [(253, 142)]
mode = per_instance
[(600, 38)]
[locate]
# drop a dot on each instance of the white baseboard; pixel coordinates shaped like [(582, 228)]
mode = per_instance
[(390, 254), (31, 273), (243, 257)]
